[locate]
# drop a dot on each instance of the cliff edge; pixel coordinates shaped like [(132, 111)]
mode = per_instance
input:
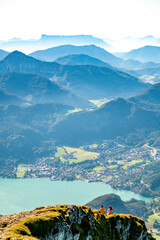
[(70, 222)]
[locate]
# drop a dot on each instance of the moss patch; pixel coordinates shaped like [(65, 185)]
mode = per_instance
[(77, 220)]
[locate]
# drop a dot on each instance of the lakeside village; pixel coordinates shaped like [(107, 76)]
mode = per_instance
[(119, 165), (111, 162)]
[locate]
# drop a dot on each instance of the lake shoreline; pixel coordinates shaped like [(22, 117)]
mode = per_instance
[(85, 180), (17, 195)]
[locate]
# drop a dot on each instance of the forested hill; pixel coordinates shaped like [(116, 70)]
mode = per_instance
[(33, 88), (120, 206), (115, 118), (91, 82)]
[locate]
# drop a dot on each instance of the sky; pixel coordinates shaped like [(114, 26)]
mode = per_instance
[(28, 19)]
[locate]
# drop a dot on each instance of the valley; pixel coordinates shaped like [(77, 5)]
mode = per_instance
[(80, 114), (61, 130)]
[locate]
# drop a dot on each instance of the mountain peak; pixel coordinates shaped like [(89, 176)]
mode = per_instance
[(72, 222), (17, 58), (15, 55)]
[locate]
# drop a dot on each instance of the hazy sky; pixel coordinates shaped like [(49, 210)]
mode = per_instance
[(101, 18)]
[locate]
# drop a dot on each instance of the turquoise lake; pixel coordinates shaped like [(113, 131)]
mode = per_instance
[(18, 195)]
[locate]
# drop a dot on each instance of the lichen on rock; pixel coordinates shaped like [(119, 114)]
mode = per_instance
[(70, 222)]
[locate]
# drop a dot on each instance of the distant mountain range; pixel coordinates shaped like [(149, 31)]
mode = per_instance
[(150, 39), (74, 39), (143, 63), (144, 54), (17, 61), (53, 53), (47, 41), (87, 81), (74, 55), (128, 43)]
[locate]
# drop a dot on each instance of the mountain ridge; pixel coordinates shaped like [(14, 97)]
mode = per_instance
[(84, 80), (7, 99), (38, 89), (17, 61), (119, 117), (93, 82), (81, 59), (46, 41), (51, 54), (149, 98), (144, 54), (72, 222)]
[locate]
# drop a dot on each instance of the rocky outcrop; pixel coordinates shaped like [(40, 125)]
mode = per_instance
[(68, 222)]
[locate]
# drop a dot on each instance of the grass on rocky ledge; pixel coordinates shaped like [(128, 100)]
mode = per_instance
[(43, 221), (34, 227)]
